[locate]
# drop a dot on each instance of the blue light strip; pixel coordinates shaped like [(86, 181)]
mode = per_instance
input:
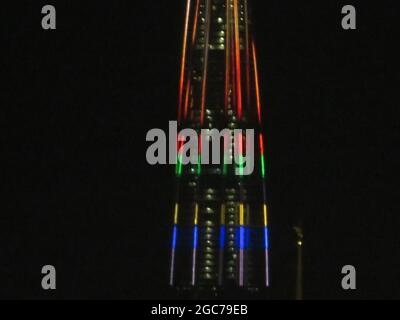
[(266, 238), (174, 236), (222, 237), (242, 231), (195, 236), (174, 242)]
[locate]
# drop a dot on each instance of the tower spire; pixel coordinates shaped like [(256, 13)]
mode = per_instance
[(220, 233)]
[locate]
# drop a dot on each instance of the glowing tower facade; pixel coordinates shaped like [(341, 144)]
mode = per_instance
[(220, 232)]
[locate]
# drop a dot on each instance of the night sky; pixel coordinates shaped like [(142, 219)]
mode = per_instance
[(77, 102)]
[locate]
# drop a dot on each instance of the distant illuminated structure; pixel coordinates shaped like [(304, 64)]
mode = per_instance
[(220, 232)]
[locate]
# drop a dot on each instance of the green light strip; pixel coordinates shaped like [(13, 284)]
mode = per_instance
[(179, 166), (199, 166), (240, 165), (262, 166)]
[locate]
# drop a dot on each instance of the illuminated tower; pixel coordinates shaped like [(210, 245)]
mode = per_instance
[(220, 232)]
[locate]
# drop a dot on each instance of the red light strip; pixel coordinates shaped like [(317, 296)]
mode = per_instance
[(182, 78), (246, 12), (234, 95), (185, 112), (261, 144), (194, 34), (238, 66), (257, 83), (195, 22)]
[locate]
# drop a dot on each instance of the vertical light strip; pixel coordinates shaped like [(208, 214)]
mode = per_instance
[(256, 80), (188, 85), (262, 156), (205, 69), (246, 14), (241, 156), (266, 238), (185, 112), (241, 245), (233, 61), (195, 22), (265, 215), (221, 245), (179, 158), (174, 242), (195, 242), (265, 209), (176, 213), (227, 54), (238, 62), (183, 63)]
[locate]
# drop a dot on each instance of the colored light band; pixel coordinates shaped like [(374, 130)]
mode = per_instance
[(221, 245), (266, 267), (195, 236), (176, 213), (256, 80), (265, 215), (241, 214), (195, 242), (196, 214), (189, 77), (262, 156), (174, 243), (222, 229), (266, 244), (179, 158), (261, 144), (182, 77), (222, 237), (241, 158), (171, 277), (185, 112), (195, 22), (238, 65), (246, 15), (262, 166), (241, 244), (174, 237), (241, 228), (266, 236), (233, 69)]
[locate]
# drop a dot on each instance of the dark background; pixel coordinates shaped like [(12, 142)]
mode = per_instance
[(77, 102)]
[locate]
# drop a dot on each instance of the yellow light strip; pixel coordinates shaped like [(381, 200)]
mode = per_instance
[(176, 213), (265, 215), (196, 214), (242, 214)]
